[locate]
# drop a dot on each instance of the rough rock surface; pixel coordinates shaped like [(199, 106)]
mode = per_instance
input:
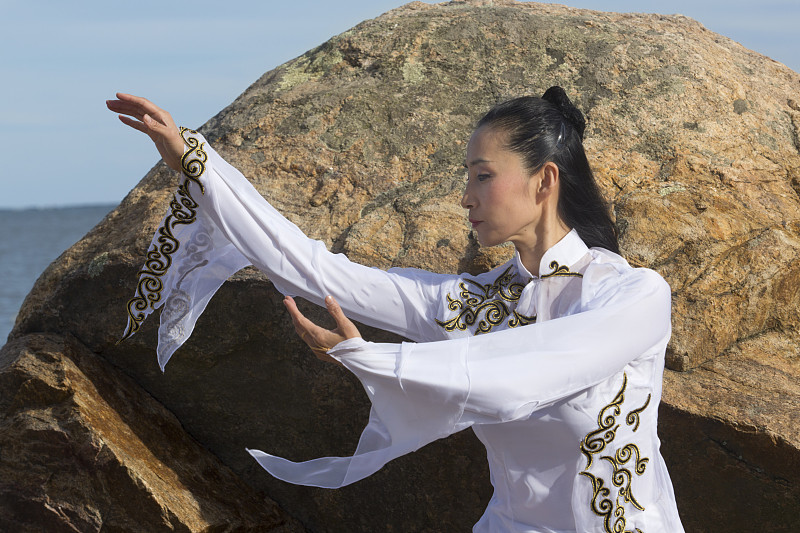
[(116, 459), (360, 141)]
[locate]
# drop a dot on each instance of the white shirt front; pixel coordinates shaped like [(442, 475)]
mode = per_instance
[(558, 375)]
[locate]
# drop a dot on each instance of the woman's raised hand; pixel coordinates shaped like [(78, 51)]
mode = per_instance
[(319, 339), (143, 115)]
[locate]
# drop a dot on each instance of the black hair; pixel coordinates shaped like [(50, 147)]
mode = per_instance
[(551, 128)]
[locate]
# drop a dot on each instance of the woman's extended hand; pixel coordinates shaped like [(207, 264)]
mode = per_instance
[(155, 122), (319, 339)]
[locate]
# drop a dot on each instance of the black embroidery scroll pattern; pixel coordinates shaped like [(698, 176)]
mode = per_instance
[(633, 417), (560, 271), (625, 462), (183, 210), (486, 305), (520, 320)]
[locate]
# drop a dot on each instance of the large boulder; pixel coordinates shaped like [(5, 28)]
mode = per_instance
[(694, 140)]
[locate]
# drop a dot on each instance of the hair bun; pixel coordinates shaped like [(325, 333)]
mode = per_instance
[(556, 96)]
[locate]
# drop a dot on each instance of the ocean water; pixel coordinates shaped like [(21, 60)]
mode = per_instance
[(31, 239)]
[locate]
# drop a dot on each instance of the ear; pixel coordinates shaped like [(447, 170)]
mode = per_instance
[(548, 183)]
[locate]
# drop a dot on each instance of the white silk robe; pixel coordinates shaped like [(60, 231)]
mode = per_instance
[(558, 375)]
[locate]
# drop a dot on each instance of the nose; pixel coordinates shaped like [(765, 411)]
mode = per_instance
[(466, 200)]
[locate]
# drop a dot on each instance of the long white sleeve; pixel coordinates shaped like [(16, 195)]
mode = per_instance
[(423, 392), (219, 223), (511, 373)]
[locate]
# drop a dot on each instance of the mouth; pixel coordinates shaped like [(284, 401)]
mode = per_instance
[(474, 223)]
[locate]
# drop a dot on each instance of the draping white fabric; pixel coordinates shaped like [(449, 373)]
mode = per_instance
[(566, 406)]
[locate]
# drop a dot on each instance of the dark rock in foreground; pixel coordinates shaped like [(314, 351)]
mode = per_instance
[(83, 448)]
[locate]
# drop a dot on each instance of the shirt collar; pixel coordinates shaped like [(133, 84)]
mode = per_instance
[(565, 253)]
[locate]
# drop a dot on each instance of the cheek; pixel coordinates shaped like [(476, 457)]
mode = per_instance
[(514, 197), (500, 194)]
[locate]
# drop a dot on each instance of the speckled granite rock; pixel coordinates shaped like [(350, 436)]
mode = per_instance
[(361, 141)]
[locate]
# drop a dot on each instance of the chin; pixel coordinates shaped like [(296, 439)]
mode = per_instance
[(486, 241)]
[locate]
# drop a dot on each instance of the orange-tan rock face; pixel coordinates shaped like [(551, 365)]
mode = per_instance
[(360, 141)]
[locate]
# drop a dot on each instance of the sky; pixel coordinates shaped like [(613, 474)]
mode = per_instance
[(60, 61)]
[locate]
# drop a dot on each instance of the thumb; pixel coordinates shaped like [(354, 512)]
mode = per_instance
[(345, 325)]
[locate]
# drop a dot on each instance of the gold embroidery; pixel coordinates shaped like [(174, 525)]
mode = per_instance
[(521, 320), (633, 417), (489, 300), (193, 160), (595, 442), (622, 477), (560, 270), (159, 256)]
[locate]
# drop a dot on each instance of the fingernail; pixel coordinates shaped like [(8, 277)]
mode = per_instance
[(329, 299)]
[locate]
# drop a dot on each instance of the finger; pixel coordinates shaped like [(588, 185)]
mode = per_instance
[(161, 123), (140, 102), (123, 108), (139, 106), (294, 312), (308, 331), (135, 124), (129, 108), (344, 324)]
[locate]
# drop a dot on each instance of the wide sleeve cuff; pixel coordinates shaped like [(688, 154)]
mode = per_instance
[(405, 415), (188, 259)]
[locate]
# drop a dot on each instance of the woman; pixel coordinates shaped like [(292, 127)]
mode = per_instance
[(564, 391)]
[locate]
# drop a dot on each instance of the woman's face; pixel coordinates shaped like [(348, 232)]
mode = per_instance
[(501, 192)]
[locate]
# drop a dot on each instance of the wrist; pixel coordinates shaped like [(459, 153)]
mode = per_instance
[(348, 346)]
